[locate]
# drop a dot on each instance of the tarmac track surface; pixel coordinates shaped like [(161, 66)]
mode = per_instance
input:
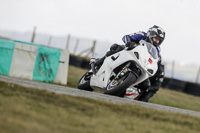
[(76, 92)]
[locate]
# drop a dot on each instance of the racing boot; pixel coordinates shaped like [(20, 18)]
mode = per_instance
[(146, 96)]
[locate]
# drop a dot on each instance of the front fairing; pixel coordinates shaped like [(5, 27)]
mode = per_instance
[(147, 61)]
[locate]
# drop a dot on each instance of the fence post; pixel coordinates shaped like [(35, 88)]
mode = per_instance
[(68, 39), (49, 41), (93, 47), (33, 35), (173, 64), (76, 45), (197, 79)]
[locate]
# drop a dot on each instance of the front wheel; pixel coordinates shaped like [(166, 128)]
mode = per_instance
[(84, 82), (117, 87)]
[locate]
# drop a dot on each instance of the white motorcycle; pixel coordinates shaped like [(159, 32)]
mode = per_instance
[(122, 70)]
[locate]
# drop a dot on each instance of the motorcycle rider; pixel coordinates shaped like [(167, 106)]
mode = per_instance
[(155, 35)]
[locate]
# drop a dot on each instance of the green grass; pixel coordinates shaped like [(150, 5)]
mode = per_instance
[(163, 96), (176, 99), (74, 74), (25, 110)]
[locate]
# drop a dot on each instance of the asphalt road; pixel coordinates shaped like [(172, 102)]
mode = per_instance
[(75, 92)]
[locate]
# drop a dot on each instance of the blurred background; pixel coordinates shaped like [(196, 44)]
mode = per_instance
[(76, 24)]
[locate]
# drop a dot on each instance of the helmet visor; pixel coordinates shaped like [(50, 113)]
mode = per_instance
[(157, 41)]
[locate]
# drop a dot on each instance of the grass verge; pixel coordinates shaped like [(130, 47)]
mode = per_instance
[(33, 110), (176, 99)]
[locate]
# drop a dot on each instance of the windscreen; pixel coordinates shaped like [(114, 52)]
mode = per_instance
[(152, 50)]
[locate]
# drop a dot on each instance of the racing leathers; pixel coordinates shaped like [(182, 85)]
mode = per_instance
[(151, 85)]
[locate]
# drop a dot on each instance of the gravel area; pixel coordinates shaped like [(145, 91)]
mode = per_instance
[(75, 92)]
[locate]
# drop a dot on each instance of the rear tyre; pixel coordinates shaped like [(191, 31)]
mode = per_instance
[(84, 82), (118, 87)]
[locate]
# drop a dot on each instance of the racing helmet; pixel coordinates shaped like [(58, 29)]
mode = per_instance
[(156, 32)]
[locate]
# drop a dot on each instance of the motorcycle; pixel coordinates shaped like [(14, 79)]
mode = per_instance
[(122, 70)]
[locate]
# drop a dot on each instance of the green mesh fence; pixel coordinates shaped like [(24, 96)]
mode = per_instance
[(46, 64), (29, 43), (6, 53)]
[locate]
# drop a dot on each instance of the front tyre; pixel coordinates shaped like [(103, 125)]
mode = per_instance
[(117, 87), (84, 82)]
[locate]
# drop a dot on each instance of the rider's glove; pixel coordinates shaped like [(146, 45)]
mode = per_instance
[(114, 47), (92, 60)]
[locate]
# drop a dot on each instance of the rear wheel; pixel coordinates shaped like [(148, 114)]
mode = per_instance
[(117, 87), (84, 82)]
